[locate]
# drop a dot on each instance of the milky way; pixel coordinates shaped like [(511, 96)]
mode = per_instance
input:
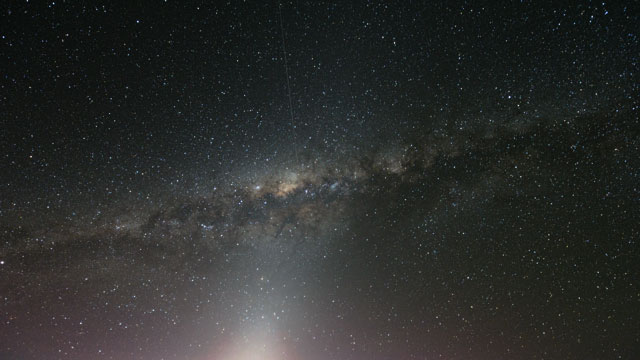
[(456, 182), (271, 264)]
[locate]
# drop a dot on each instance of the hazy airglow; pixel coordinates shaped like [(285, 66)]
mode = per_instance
[(259, 343)]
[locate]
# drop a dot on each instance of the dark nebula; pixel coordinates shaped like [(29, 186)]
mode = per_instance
[(431, 181)]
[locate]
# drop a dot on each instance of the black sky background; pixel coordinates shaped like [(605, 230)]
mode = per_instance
[(122, 89), (458, 181)]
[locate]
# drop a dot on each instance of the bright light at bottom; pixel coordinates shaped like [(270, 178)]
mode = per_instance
[(256, 344)]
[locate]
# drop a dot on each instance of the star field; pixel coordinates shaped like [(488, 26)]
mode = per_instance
[(411, 181)]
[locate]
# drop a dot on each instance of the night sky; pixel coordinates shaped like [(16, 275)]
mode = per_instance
[(315, 180)]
